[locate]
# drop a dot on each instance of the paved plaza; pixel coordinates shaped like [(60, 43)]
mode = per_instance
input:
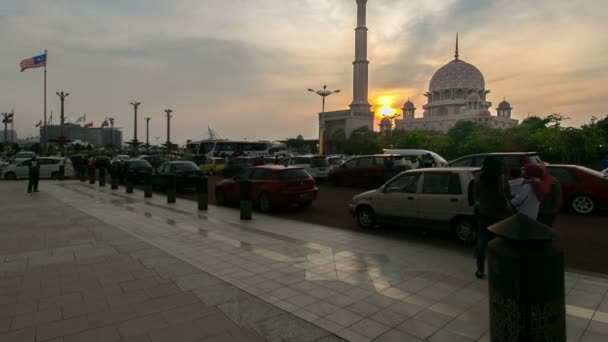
[(83, 263)]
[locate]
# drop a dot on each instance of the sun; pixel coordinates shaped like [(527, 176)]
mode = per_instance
[(385, 103)]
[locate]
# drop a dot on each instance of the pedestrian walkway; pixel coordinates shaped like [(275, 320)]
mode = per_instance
[(276, 279)]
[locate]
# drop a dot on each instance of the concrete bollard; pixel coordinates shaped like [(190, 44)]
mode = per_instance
[(148, 185), (203, 193), (83, 174), (128, 185), (171, 188), (526, 282), (91, 175), (246, 203), (102, 177)]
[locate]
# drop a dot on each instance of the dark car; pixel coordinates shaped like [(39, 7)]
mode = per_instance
[(272, 186), (187, 175), (154, 160), (584, 190), (510, 160), (238, 164), (137, 169), (365, 171), (102, 162)]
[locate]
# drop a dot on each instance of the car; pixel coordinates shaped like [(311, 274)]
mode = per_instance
[(154, 160), (234, 166), (136, 170), (510, 159), (187, 175), (24, 155), (215, 166), (413, 156), (431, 197), (316, 165), (583, 190), (49, 168), (365, 171), (334, 162), (272, 186), (605, 171), (102, 162)]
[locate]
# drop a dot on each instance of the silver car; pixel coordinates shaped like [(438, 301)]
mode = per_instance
[(428, 197)]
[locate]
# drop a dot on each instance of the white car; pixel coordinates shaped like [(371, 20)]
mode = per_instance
[(413, 155), (24, 155), (316, 165), (49, 168), (605, 171)]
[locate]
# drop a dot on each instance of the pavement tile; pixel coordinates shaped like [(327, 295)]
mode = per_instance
[(417, 328), (23, 335), (344, 317), (396, 336), (322, 309), (194, 330), (61, 328), (104, 334), (352, 336), (188, 313), (369, 328), (388, 317), (446, 336), (35, 318), (302, 300), (141, 325), (433, 318), (285, 328), (111, 316)]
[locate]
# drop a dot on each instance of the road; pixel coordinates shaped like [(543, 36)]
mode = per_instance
[(584, 239)]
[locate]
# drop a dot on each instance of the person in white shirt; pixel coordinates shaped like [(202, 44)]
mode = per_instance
[(523, 198)]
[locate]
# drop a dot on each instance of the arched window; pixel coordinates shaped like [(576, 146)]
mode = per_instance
[(447, 95), (459, 94)]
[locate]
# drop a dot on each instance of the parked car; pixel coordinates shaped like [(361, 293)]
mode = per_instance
[(334, 162), (49, 168), (154, 160), (24, 155), (102, 162), (510, 160), (238, 164), (187, 175), (365, 171), (435, 197), (122, 157), (136, 170), (316, 165), (414, 155), (215, 166), (272, 186), (584, 190)]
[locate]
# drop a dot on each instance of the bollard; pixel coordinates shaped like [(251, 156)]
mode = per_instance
[(83, 174), (91, 175), (246, 205), (203, 193), (526, 282), (114, 181), (171, 188), (102, 177), (128, 185), (148, 185), (62, 171)]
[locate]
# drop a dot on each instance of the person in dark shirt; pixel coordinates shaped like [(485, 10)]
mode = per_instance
[(34, 175)]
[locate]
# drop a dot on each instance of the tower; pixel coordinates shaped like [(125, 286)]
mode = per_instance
[(360, 64)]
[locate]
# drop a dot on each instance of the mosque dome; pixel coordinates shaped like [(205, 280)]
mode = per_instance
[(504, 105), (385, 122), (457, 74), (473, 98), (408, 105), (484, 112)]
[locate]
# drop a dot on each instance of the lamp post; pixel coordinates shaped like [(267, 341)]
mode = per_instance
[(147, 133), (135, 104), (168, 112), (323, 93), (62, 95), (392, 117)]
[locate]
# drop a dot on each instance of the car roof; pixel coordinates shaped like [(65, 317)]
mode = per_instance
[(277, 167), (500, 154)]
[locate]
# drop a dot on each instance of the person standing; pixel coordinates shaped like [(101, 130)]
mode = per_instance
[(523, 199), (34, 175), (491, 193), (549, 191)]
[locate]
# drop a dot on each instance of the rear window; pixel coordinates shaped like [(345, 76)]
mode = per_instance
[(293, 174), (318, 162), (534, 159), (186, 167)]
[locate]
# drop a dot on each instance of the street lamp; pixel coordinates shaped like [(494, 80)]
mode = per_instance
[(324, 93), (135, 104), (147, 132), (391, 118), (169, 116), (62, 95)]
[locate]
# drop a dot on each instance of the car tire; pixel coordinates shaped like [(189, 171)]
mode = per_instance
[(220, 197), (264, 203), (10, 176), (366, 217), (465, 230), (583, 204)]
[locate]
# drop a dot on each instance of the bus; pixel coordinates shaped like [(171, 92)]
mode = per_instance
[(226, 148)]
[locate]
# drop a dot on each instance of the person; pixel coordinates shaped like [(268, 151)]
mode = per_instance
[(523, 199), (34, 175), (491, 193), (548, 190)]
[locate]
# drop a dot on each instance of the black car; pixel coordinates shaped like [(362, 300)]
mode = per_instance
[(187, 175), (102, 162), (137, 169), (154, 160), (238, 164)]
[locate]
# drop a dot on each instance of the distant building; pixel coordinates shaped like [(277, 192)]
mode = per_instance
[(98, 137)]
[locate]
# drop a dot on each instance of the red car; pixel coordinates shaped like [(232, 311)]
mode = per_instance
[(272, 186), (584, 190)]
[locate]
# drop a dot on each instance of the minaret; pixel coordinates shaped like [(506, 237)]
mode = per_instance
[(360, 103)]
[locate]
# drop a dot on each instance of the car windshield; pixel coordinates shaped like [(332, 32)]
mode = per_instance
[(593, 172), (291, 174), (318, 161), (186, 167), (139, 163), (24, 155)]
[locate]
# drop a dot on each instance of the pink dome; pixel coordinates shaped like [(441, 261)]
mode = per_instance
[(457, 74), (473, 98), (504, 105), (484, 112)]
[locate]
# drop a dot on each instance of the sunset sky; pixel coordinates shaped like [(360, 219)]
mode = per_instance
[(243, 66)]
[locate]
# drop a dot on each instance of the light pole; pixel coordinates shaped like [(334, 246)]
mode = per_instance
[(62, 95), (168, 112), (324, 93), (147, 132), (135, 104), (392, 117), (111, 119), (5, 121)]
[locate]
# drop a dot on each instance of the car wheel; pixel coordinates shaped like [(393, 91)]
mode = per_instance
[(10, 176), (220, 197), (583, 204), (264, 203), (465, 230), (366, 218)]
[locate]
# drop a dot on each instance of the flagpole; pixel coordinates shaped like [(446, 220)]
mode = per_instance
[(45, 131)]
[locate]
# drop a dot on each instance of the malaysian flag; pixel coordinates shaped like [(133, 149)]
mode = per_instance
[(89, 125), (8, 119), (39, 123), (34, 62)]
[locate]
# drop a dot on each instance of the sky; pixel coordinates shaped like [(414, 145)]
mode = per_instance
[(243, 67)]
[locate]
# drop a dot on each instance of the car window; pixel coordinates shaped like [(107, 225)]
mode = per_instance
[(407, 183), (379, 161), (245, 174), (260, 174), (561, 174), (462, 162), (534, 159), (351, 163), (364, 162), (477, 161), (291, 174), (300, 161), (335, 161), (186, 167), (441, 183)]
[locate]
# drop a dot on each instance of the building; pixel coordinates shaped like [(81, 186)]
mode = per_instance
[(338, 125), (11, 136), (457, 92), (96, 136)]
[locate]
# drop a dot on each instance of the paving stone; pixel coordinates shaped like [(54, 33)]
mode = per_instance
[(23, 335), (35, 318), (61, 328), (141, 325), (105, 334)]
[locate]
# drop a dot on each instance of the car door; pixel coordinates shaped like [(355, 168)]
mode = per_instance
[(362, 173), (346, 171), (259, 182), (396, 201), (441, 196), (22, 169)]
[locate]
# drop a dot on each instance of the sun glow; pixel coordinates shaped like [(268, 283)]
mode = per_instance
[(385, 103)]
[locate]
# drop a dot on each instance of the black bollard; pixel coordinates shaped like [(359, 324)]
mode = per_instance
[(102, 177), (246, 204), (83, 174), (114, 181), (148, 185), (128, 185), (203, 193), (526, 282), (62, 171), (171, 188), (91, 175)]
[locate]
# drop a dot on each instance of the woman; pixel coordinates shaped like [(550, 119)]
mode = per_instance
[(491, 193)]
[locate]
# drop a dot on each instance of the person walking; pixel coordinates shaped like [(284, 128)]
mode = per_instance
[(523, 199), (34, 175), (491, 193)]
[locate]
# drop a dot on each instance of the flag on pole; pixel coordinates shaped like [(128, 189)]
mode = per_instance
[(50, 119), (81, 119), (34, 62), (89, 125), (39, 123), (104, 123), (8, 118)]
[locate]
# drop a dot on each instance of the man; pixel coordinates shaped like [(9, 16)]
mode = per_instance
[(34, 175)]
